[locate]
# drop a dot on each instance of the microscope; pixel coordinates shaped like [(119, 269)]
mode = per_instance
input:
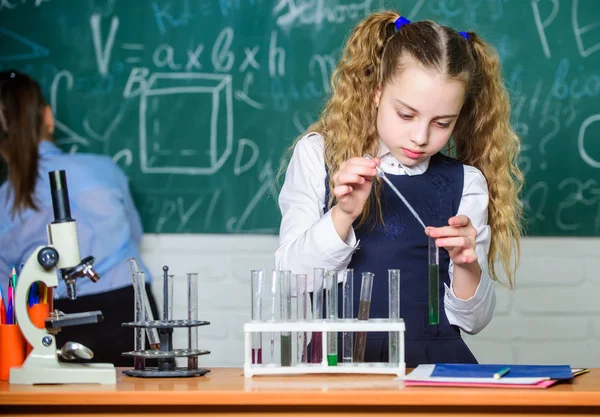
[(61, 255)]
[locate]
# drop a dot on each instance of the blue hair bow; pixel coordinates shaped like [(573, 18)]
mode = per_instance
[(401, 21), (464, 35)]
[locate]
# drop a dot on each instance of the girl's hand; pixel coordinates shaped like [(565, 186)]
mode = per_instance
[(352, 185), (458, 238)]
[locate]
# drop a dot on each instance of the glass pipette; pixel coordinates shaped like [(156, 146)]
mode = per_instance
[(382, 175), (433, 272), (394, 314)]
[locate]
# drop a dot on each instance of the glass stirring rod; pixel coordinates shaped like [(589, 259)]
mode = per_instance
[(382, 175), (433, 270)]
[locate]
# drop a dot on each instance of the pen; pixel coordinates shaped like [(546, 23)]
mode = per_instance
[(2, 308), (501, 373), (9, 304)]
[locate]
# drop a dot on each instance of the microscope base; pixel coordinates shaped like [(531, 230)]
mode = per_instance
[(64, 373)]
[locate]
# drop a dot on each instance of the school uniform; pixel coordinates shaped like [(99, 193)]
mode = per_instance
[(108, 227), (438, 189)]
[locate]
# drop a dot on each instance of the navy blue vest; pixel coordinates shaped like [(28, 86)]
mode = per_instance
[(400, 243)]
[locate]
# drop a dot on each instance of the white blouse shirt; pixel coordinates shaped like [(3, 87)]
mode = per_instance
[(308, 240)]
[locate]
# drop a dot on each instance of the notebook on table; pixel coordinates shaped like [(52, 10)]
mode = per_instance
[(482, 375)]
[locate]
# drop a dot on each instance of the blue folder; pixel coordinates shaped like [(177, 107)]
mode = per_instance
[(463, 370)]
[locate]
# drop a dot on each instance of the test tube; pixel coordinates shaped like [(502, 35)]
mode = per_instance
[(139, 285), (192, 286), (258, 278), (434, 282), (364, 307), (302, 313), (347, 313), (286, 315), (166, 297), (316, 354), (274, 291), (332, 314), (394, 313), (139, 340)]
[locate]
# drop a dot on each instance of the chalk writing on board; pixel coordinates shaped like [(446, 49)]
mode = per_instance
[(123, 154), (166, 17), (71, 136), (27, 49), (241, 166), (594, 163), (534, 201), (243, 94), (103, 50), (580, 31), (11, 4), (236, 224), (581, 193), (585, 47), (316, 12), (199, 88)]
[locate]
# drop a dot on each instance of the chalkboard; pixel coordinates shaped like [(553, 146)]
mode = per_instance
[(197, 100)]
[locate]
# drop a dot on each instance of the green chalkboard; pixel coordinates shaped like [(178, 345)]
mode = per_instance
[(197, 100)]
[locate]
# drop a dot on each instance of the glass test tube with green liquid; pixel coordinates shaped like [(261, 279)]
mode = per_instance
[(364, 308), (316, 343), (332, 315), (286, 315), (434, 282)]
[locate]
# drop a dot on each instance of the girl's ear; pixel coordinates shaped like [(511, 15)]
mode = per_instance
[(48, 121), (377, 96)]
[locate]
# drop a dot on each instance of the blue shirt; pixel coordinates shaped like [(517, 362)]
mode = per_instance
[(108, 224)]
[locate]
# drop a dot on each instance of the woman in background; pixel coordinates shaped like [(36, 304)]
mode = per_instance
[(108, 223)]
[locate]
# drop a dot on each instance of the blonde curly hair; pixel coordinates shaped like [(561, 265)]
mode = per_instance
[(482, 136)]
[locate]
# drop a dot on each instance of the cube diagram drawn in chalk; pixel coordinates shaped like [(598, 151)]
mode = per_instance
[(186, 123)]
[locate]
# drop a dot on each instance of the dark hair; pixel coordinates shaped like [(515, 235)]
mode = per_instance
[(21, 130)]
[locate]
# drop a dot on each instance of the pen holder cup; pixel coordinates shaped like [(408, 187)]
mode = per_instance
[(12, 349), (38, 314)]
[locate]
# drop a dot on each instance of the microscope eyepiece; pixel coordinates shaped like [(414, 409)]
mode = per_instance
[(60, 196)]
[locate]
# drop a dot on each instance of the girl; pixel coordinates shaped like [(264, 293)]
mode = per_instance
[(108, 224), (403, 92)]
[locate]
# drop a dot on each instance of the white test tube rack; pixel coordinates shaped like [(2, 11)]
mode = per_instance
[(341, 325)]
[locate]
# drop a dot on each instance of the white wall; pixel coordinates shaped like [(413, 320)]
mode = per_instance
[(552, 316)]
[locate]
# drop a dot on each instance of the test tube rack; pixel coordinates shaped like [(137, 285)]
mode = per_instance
[(166, 355), (398, 367), (162, 344)]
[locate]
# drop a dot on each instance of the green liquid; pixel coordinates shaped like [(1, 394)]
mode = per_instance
[(286, 350), (434, 294), (332, 359)]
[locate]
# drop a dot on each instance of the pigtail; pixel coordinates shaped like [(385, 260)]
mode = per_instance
[(346, 122), (484, 138)]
